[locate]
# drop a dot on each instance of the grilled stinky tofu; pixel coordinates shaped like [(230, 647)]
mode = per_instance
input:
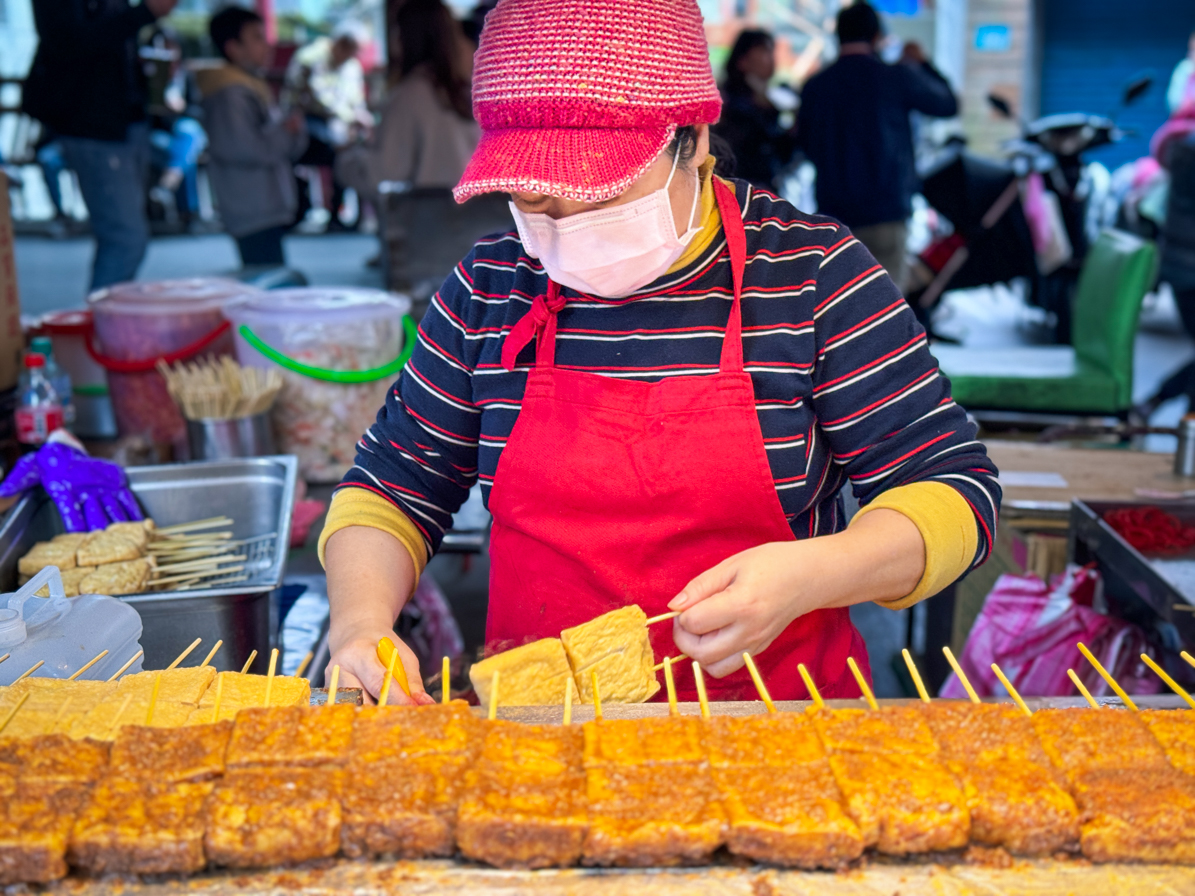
[(1137, 815), (239, 692), (137, 532), (141, 827), (898, 791), (409, 765), (260, 817), (1175, 731), (782, 803), (657, 804), (532, 675), (524, 802), (48, 553), (126, 577), (290, 736), (1015, 797), (170, 755), (71, 579), (617, 647), (107, 548), (1089, 740), (53, 759), (35, 825)]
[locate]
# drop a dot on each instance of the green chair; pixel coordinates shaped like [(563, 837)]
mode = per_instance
[(1095, 375)]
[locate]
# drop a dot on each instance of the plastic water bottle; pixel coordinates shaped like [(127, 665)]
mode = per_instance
[(57, 375), (40, 411)]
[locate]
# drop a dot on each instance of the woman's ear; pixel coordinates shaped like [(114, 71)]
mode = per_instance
[(703, 145)]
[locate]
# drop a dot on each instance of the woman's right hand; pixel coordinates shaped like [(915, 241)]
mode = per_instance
[(357, 657)]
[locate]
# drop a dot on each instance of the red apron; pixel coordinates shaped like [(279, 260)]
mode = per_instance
[(612, 491)]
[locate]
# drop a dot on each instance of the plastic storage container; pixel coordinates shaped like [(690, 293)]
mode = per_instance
[(338, 351), (138, 324), (65, 632), (69, 332)]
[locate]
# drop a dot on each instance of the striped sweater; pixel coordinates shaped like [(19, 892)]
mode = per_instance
[(845, 387)]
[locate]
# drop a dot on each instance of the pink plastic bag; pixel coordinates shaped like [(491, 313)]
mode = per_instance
[(1031, 629)]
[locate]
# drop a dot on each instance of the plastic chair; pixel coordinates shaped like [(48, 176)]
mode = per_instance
[(1092, 376)]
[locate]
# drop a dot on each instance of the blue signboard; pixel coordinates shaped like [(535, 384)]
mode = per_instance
[(993, 38)]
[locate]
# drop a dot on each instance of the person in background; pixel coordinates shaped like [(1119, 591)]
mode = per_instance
[(87, 89), (1182, 80), (751, 123), (177, 137), (854, 127), (427, 133), (252, 147)]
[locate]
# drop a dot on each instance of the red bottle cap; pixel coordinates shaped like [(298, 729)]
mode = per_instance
[(34, 359)]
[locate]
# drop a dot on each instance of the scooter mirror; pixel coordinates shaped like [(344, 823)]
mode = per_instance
[(1136, 88), (1000, 104)]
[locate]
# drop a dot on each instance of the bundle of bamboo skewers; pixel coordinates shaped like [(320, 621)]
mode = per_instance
[(199, 554), (220, 388)]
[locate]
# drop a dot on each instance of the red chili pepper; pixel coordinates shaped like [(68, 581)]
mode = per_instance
[(1151, 530)]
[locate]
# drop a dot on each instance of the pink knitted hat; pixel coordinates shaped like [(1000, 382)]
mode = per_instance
[(576, 98)]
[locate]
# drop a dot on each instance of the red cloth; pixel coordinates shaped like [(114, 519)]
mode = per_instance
[(614, 491), (576, 98)]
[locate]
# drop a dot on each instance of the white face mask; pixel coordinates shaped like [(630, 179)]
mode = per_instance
[(609, 252)]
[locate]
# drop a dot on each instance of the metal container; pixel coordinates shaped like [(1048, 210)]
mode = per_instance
[(1184, 455), (258, 494), (227, 439)]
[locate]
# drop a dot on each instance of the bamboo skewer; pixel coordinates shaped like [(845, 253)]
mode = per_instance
[(567, 717), (811, 687), (182, 656), (759, 685), (917, 682), (1170, 682), (92, 662), (1012, 692), (211, 653), (333, 686), (119, 713), (862, 682), (125, 668), (6, 656), (662, 617), (270, 674), (384, 697), (962, 676), (219, 696), (597, 697), (493, 710), (61, 712), (249, 662), (446, 680), (1082, 689), (702, 699), (670, 684), (30, 671), (676, 659), (205, 563), (187, 577), (1104, 674), (12, 712), (153, 699), (304, 663), (210, 523)]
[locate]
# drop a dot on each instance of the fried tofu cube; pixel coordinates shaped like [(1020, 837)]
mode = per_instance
[(53, 759), (616, 646), (177, 685), (1078, 741), (170, 755), (239, 692), (71, 579), (35, 825), (48, 553), (50, 694), (651, 741), (532, 675), (126, 577), (779, 740), (291, 736), (1137, 815), (1175, 731), (137, 532), (107, 548), (141, 827), (524, 802), (71, 539), (383, 733), (261, 817)]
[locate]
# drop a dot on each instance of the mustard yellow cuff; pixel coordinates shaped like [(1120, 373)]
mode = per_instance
[(947, 526), (361, 507)]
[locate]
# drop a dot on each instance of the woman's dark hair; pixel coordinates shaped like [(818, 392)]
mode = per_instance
[(683, 148), (748, 40), (228, 23), (429, 37), (857, 23)]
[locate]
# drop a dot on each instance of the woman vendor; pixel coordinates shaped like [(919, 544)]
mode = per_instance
[(662, 379)]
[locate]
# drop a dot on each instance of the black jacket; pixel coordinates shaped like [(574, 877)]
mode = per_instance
[(86, 80), (761, 146), (854, 126)]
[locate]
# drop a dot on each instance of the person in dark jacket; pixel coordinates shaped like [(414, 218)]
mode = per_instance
[(751, 123), (854, 127), (86, 87)]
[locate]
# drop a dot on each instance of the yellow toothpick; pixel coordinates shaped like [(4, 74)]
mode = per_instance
[(186, 653), (917, 682), (670, 685), (1190, 659), (1170, 682), (333, 690), (270, 674), (6, 656), (125, 668), (12, 712), (1012, 692), (1104, 674), (30, 671), (811, 687), (493, 713), (304, 663), (676, 659), (862, 682), (385, 648), (662, 617), (95, 659), (568, 701), (701, 696), (962, 676), (153, 699), (597, 697), (759, 685), (384, 697), (248, 663), (445, 680), (1082, 689), (211, 653)]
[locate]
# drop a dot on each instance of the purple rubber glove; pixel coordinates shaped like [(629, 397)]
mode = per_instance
[(88, 493)]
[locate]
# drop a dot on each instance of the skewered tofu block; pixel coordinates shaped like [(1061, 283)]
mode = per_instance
[(1175, 731), (137, 532), (409, 766), (177, 686), (107, 547), (616, 646), (126, 577), (141, 827), (53, 760), (239, 692), (1087, 740), (266, 816), (35, 824), (49, 694), (524, 803), (170, 755), (48, 553), (897, 790), (71, 579), (1013, 793), (532, 675), (290, 736), (1137, 815), (656, 803), (781, 800)]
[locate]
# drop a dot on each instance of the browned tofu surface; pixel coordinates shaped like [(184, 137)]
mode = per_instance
[(170, 755), (382, 733), (35, 824), (1087, 740), (893, 729), (291, 736), (524, 802), (1175, 731), (650, 741), (141, 827), (260, 817), (1138, 815), (780, 740), (53, 759)]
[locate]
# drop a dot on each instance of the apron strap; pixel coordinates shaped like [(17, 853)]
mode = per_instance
[(539, 322), (736, 246)]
